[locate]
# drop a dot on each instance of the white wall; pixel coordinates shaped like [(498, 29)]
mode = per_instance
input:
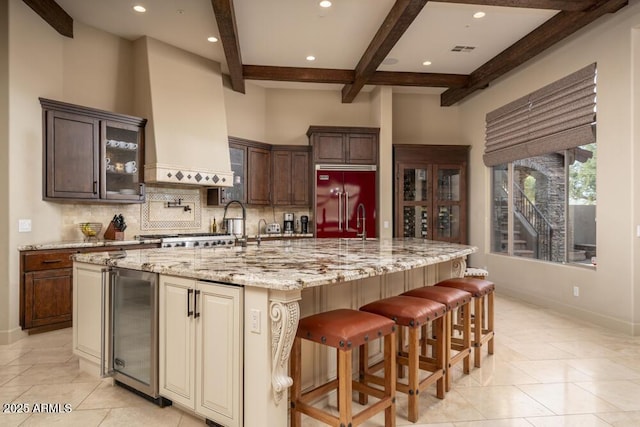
[(419, 119), (290, 112), (246, 112), (4, 164), (91, 69), (606, 294)]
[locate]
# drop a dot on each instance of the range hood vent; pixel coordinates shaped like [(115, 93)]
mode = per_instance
[(181, 95)]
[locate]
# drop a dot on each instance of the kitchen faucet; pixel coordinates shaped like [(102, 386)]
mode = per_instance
[(243, 240), (265, 225), (361, 218)]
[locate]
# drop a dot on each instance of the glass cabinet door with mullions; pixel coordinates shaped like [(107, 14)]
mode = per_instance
[(122, 162), (447, 202), (416, 195), (430, 200)]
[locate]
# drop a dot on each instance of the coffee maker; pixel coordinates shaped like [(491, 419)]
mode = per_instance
[(288, 223), (304, 224)]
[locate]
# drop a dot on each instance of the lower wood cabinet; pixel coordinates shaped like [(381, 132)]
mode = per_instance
[(46, 286), (201, 347)]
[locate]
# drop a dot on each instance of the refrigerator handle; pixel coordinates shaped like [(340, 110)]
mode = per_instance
[(339, 211), (346, 211)]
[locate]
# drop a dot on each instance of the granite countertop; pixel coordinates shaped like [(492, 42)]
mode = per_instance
[(288, 264), (69, 244)]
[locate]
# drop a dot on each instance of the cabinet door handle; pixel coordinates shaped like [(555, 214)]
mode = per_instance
[(189, 311), (142, 190), (195, 304), (51, 261), (95, 187)]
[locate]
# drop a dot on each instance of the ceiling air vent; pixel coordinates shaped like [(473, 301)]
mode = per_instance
[(463, 49)]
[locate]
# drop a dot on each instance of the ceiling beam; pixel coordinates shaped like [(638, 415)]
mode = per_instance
[(395, 24), (568, 5), (560, 26), (388, 78), (327, 75), (295, 74), (53, 15), (226, 19)]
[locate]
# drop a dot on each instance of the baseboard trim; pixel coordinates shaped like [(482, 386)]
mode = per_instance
[(579, 313), (12, 335)]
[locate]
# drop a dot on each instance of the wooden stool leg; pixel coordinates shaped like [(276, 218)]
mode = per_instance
[(466, 341), (296, 374), (363, 366), (390, 378), (345, 387), (414, 360), (400, 346), (490, 320), (439, 348), (477, 332), (447, 349)]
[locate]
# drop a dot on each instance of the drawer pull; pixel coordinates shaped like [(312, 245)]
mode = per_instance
[(51, 261)]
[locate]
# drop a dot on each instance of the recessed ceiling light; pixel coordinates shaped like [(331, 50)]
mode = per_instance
[(390, 61), (426, 63), (325, 3), (139, 8), (212, 39), (311, 58), (479, 15)]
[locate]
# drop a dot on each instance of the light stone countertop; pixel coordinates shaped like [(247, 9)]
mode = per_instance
[(69, 244), (288, 264)]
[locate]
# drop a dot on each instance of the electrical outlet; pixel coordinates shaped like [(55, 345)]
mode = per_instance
[(24, 225), (386, 224), (576, 291), (254, 321)]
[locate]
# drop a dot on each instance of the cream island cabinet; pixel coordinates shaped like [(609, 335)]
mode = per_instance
[(200, 347), (228, 315)]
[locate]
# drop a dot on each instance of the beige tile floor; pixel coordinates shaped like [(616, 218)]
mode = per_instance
[(548, 370)]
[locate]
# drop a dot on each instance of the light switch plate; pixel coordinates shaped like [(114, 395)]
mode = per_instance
[(254, 321), (24, 225)]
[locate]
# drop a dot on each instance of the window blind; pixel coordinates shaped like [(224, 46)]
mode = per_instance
[(556, 117)]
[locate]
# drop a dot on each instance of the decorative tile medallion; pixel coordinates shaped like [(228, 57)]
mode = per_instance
[(157, 216)]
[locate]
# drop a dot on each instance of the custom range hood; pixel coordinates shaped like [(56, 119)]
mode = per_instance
[(181, 95)]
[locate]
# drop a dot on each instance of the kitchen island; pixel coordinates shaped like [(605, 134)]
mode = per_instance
[(281, 281)]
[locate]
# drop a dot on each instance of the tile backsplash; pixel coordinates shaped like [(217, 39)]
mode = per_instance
[(152, 217)]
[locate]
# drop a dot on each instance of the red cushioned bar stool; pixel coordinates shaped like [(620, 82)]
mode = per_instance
[(482, 330), (412, 313), (344, 330), (455, 301)]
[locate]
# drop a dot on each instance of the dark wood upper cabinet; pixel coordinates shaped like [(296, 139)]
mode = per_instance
[(251, 166), (91, 154), (72, 156), (259, 176), (290, 175), (346, 145), (430, 192)]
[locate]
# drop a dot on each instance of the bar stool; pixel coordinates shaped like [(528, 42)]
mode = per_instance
[(483, 332), (343, 330), (411, 313), (476, 273), (456, 302)]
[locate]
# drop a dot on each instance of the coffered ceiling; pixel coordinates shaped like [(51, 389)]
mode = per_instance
[(355, 42)]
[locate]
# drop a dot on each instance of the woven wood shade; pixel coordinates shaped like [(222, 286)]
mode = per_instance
[(556, 117)]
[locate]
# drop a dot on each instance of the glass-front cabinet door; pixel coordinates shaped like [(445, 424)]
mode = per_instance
[(123, 154), (447, 219), (415, 202)]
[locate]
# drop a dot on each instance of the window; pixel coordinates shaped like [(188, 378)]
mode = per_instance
[(543, 182)]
